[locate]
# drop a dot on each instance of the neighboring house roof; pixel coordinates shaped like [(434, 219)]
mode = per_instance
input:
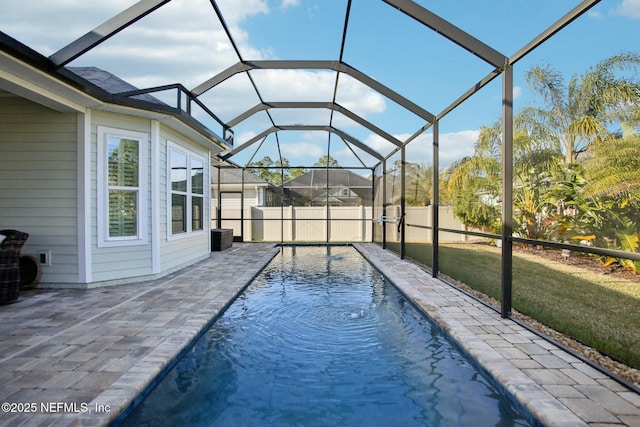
[(304, 188), (110, 82), (317, 178), (234, 176), (323, 199)]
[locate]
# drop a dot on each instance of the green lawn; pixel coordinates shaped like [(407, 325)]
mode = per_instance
[(601, 311)]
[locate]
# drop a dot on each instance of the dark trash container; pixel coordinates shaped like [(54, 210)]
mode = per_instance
[(221, 239), (30, 271), (10, 247)]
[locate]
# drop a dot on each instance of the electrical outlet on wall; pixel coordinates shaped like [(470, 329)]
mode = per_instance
[(44, 257)]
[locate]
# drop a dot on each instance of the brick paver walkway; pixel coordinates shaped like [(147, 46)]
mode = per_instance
[(79, 357), (557, 388), (86, 354)]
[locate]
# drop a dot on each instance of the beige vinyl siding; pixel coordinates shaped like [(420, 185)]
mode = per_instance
[(38, 182), (231, 203), (231, 207), (230, 213), (181, 250), (119, 262), (231, 197)]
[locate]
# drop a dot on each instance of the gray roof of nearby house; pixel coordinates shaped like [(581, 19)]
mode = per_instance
[(234, 176), (337, 177), (110, 82)]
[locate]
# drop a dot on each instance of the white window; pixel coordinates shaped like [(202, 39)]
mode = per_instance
[(260, 200), (187, 191), (122, 176)]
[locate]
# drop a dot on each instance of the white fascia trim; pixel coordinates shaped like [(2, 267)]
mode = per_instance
[(155, 197), (85, 270), (26, 81)]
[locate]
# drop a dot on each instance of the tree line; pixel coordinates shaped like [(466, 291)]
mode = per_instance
[(277, 172), (576, 172)]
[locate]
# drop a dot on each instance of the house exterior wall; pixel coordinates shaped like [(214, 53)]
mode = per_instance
[(162, 252), (231, 202), (38, 182), (180, 250), (49, 182), (118, 262)]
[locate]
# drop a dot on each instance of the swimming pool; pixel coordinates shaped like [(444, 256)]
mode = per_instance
[(321, 338)]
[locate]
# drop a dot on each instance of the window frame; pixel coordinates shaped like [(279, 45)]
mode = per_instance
[(104, 188), (189, 194)]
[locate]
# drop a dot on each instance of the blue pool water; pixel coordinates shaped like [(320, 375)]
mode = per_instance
[(320, 338)]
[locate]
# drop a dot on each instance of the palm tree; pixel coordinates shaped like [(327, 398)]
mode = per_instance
[(534, 198), (613, 171), (419, 185), (472, 183), (579, 113), (576, 117), (609, 202)]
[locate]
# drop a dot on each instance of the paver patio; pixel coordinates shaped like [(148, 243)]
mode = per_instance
[(80, 357)]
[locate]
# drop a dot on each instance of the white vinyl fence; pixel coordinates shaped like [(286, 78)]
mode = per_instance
[(338, 224)]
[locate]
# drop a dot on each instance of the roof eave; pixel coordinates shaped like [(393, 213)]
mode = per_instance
[(27, 73)]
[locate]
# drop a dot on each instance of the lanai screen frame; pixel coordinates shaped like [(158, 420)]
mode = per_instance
[(281, 187), (503, 66)]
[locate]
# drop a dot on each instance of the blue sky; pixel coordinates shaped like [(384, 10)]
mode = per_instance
[(183, 42)]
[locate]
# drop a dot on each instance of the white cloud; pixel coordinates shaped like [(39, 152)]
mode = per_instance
[(594, 14), (628, 8), (310, 146), (236, 11), (517, 92), (244, 136), (358, 97), (345, 158), (295, 85), (182, 42), (306, 85), (290, 3), (453, 146), (300, 150), (38, 24), (379, 144)]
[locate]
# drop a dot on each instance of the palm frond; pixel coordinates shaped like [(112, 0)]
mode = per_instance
[(614, 169), (548, 83)]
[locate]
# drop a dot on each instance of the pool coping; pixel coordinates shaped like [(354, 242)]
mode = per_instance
[(556, 387), (88, 368), (107, 346)]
